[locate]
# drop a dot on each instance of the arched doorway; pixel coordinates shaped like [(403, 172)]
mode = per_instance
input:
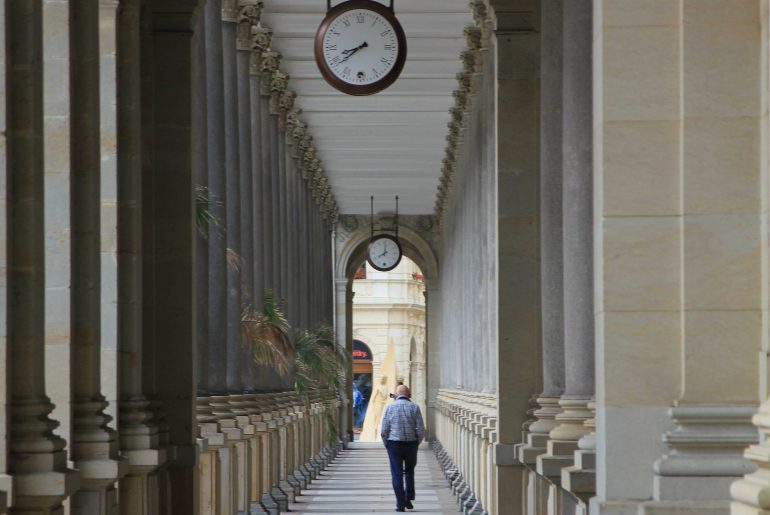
[(350, 254), (362, 382)]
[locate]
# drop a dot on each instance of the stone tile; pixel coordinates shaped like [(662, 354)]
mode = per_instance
[(641, 357), (723, 256), (628, 13), (641, 168), (358, 482), (641, 69), (721, 165), (641, 258), (721, 75)]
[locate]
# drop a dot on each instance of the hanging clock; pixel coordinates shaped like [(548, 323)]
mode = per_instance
[(384, 252), (360, 47)]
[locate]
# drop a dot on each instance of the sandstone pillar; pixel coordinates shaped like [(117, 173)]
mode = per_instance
[(36, 458), (433, 353), (551, 234), (515, 63), (578, 240), (678, 175), (217, 186), (173, 334), (722, 178), (94, 444), (232, 196), (138, 434)]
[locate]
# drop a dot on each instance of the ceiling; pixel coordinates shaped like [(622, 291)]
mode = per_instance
[(391, 143)]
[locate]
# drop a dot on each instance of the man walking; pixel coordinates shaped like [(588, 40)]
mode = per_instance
[(402, 431)]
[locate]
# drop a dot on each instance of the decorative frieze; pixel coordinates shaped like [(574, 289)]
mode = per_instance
[(477, 38), (274, 83)]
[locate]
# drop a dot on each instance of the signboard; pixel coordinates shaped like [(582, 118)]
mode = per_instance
[(361, 351)]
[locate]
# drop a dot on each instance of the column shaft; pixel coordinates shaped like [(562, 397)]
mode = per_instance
[(233, 202), (36, 454), (246, 201), (551, 258), (577, 222), (94, 444), (215, 129)]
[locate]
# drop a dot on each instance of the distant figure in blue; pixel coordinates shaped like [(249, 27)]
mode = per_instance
[(358, 403), (402, 431)]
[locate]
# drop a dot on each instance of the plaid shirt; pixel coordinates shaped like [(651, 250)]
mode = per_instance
[(402, 422)]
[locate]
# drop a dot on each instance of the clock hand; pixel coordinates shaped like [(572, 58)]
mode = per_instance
[(349, 53)]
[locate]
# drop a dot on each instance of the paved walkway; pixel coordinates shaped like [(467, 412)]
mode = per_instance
[(358, 482)]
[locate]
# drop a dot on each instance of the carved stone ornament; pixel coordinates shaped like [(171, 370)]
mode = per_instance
[(476, 39), (261, 37), (249, 17)]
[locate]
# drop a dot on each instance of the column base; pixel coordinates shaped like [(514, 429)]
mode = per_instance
[(559, 454), (695, 488), (581, 477), (536, 445), (707, 453)]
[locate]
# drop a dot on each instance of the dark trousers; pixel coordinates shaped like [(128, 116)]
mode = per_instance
[(403, 459)]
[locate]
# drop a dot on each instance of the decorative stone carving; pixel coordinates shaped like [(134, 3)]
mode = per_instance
[(477, 39), (249, 17)]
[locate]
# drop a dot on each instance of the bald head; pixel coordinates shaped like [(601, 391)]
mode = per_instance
[(402, 389)]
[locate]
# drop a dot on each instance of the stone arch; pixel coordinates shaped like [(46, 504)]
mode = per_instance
[(353, 251)]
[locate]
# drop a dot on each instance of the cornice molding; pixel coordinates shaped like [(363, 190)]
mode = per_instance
[(477, 40)]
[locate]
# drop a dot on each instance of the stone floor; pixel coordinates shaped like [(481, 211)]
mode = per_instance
[(358, 482)]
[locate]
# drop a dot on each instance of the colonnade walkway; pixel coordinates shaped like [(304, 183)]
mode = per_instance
[(358, 482)]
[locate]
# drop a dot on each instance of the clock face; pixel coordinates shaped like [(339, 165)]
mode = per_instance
[(360, 47), (384, 253)]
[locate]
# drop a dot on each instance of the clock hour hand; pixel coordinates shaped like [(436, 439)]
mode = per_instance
[(349, 53)]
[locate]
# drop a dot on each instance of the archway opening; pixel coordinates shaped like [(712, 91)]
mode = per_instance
[(389, 315)]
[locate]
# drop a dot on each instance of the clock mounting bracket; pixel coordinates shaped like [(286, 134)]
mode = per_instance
[(329, 5)]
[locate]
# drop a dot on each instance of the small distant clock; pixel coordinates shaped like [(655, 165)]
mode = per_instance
[(384, 252), (360, 47)]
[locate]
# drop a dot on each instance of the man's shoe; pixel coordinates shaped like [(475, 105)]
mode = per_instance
[(400, 509), (409, 505)]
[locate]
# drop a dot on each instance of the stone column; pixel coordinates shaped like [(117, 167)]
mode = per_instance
[(275, 172), (551, 235), (578, 241), (344, 299), (233, 197), (36, 454), (516, 50), (206, 229), (248, 17), (724, 258), (257, 172), (433, 351), (173, 333), (268, 63), (94, 444), (218, 274), (138, 435)]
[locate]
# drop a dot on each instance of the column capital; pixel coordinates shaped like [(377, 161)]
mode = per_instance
[(249, 16)]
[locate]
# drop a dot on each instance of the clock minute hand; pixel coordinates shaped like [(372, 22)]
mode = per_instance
[(349, 53)]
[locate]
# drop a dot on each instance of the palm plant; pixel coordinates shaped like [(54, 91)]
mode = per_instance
[(267, 332), (204, 215)]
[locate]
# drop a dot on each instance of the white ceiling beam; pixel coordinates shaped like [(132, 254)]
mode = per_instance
[(417, 25)]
